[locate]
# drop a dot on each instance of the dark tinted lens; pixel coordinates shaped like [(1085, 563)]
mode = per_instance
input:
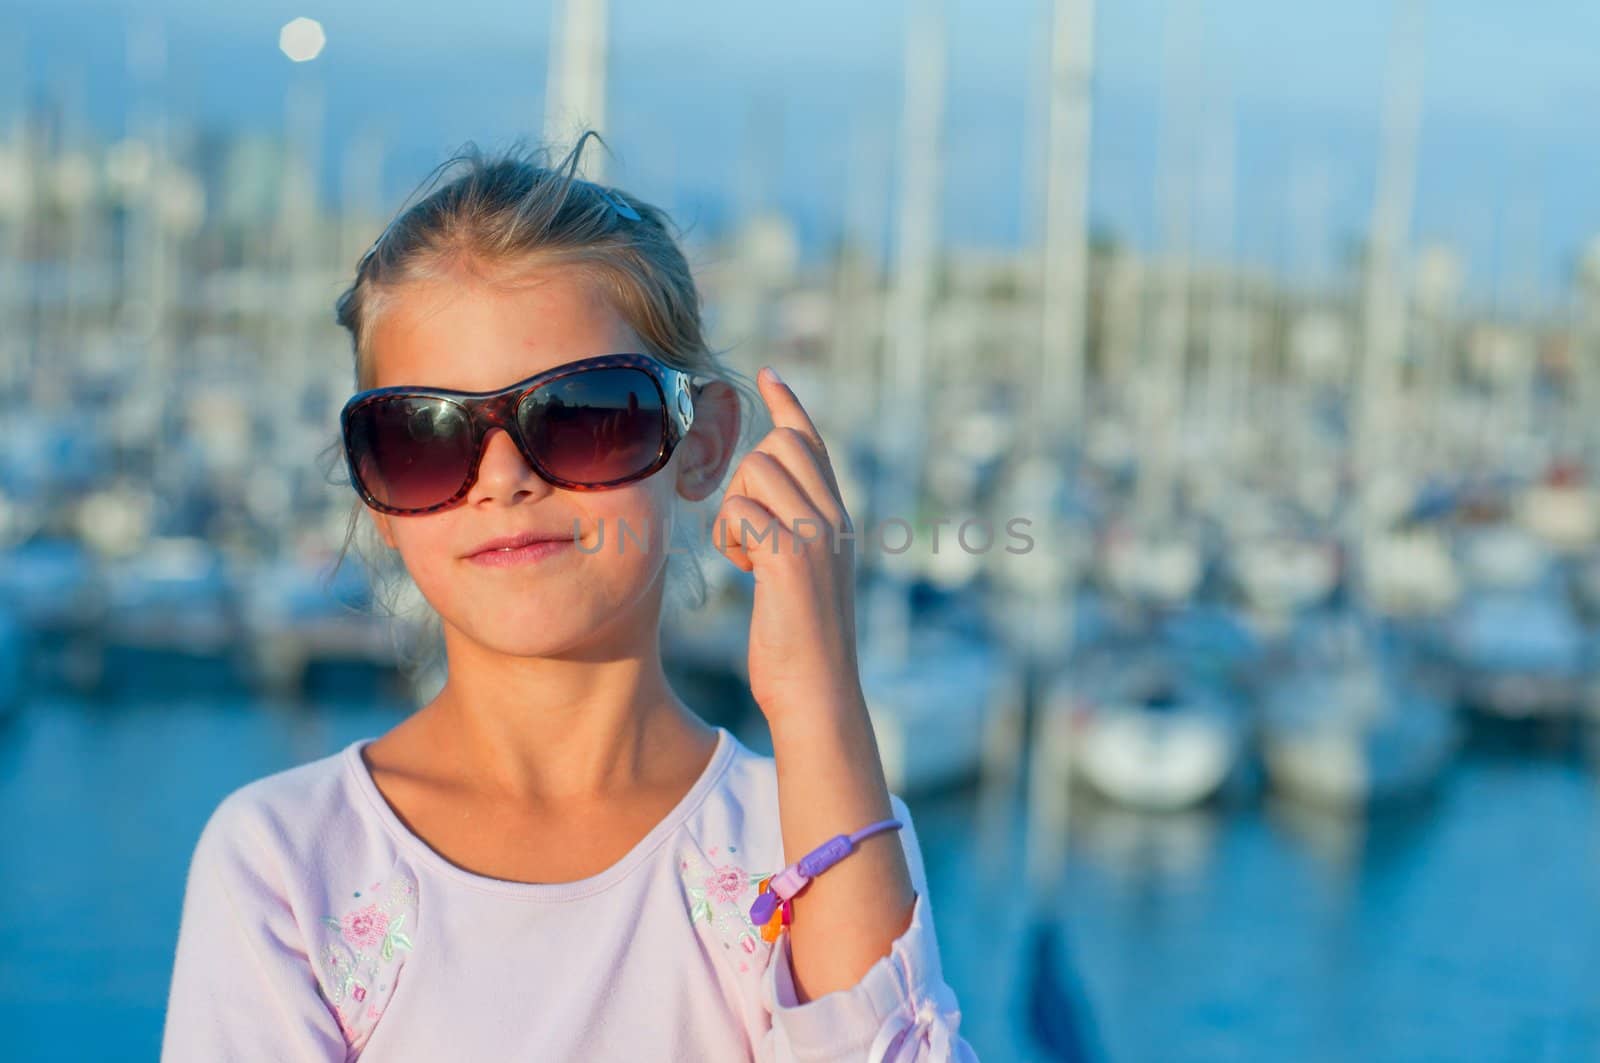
[(411, 453), (596, 427)]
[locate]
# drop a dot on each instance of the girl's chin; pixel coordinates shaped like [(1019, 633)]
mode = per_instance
[(534, 625), (514, 642)]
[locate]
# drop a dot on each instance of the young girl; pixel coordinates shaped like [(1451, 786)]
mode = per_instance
[(555, 858)]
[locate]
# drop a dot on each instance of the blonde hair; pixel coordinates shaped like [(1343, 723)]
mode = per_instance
[(511, 211)]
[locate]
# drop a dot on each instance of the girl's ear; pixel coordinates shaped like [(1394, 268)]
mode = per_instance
[(707, 449)]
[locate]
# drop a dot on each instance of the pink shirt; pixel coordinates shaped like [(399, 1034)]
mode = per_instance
[(316, 926)]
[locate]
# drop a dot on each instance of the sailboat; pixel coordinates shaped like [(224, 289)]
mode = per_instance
[(1517, 646), (1562, 509), (1345, 721), (1347, 725), (938, 692), (1157, 720), (1149, 729), (1279, 562)]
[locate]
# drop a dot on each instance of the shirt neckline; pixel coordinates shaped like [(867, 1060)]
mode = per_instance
[(356, 767)]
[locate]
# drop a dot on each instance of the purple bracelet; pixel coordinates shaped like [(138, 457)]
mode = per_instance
[(792, 879)]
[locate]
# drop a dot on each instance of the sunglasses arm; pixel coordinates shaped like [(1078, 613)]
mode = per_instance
[(683, 388)]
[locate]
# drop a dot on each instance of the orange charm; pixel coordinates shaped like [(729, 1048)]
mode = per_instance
[(780, 916)]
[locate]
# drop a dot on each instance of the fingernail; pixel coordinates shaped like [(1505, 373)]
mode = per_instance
[(773, 372)]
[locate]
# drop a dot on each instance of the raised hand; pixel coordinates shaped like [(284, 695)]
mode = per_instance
[(782, 519)]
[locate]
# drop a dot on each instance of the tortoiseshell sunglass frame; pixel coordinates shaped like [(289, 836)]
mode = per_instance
[(498, 409)]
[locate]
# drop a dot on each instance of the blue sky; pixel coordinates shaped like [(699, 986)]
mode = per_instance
[(700, 87)]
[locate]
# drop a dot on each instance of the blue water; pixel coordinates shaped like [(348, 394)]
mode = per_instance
[(1467, 928)]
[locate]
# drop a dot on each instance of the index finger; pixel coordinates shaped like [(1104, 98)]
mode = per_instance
[(787, 411)]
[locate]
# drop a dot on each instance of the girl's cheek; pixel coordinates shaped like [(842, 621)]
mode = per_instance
[(634, 521)]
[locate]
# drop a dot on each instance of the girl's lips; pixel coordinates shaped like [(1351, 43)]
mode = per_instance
[(522, 555)]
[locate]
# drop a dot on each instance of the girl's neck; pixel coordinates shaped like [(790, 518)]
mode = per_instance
[(561, 731)]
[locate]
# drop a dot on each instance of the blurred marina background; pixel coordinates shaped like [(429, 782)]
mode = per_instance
[(1280, 327)]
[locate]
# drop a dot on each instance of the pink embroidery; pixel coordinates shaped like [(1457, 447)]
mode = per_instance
[(726, 883), (362, 953), (720, 897), (367, 927)]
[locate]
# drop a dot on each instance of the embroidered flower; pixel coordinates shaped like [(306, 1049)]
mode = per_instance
[(371, 927), (366, 928), (726, 883), (361, 954), (720, 897)]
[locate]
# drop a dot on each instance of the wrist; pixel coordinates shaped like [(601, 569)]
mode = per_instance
[(840, 718), (834, 756)]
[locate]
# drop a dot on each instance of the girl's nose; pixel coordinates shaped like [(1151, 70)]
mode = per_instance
[(503, 473)]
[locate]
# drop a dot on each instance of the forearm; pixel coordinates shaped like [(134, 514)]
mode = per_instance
[(831, 781)]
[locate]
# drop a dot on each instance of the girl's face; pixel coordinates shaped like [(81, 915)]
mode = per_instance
[(465, 332)]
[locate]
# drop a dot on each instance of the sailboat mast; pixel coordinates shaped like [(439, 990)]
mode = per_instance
[(856, 281), (575, 93), (1058, 400), (1224, 341), (902, 395), (304, 107), (16, 207), (1163, 390), (1384, 300), (147, 264)]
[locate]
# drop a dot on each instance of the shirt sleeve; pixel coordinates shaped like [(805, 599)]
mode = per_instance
[(901, 1011), (243, 989)]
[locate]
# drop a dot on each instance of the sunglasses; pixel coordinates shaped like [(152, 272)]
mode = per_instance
[(588, 425)]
